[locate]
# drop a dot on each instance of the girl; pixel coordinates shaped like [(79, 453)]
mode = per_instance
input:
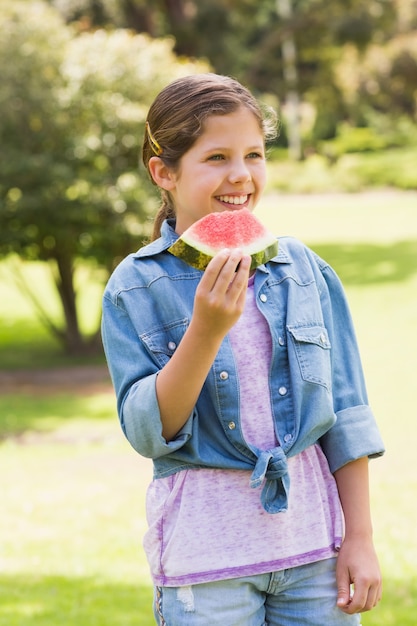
[(245, 390)]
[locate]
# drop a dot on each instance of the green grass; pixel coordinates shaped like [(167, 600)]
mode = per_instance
[(72, 520), (63, 600), (72, 516), (21, 412)]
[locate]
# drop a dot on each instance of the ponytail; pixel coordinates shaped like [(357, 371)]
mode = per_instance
[(165, 212)]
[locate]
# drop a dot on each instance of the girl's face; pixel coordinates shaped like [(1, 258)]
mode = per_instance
[(225, 169)]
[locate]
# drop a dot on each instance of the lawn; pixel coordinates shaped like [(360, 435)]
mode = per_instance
[(72, 519), (72, 489)]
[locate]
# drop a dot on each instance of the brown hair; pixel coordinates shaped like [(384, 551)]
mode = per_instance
[(176, 118)]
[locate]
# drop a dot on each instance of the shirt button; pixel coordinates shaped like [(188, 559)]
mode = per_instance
[(263, 297), (323, 339), (172, 345), (231, 425), (281, 341), (282, 391), (224, 375), (287, 438)]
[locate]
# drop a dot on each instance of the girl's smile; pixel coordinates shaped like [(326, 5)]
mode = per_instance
[(225, 169)]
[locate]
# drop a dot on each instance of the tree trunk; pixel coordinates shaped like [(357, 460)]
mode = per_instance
[(73, 339), (175, 11), (139, 18), (289, 58)]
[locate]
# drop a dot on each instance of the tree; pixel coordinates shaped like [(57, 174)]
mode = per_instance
[(382, 80), (71, 125), (252, 41)]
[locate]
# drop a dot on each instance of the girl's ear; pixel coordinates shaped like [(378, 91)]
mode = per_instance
[(161, 174)]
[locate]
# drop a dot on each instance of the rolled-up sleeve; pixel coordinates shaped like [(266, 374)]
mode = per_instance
[(141, 422), (134, 373), (354, 435)]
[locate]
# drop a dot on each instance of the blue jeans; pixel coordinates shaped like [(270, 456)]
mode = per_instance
[(301, 596)]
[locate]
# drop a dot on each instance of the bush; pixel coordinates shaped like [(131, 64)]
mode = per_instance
[(352, 172), (350, 140), (390, 168)]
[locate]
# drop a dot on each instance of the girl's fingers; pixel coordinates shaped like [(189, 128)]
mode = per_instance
[(213, 269), (220, 296), (239, 281), (225, 268)]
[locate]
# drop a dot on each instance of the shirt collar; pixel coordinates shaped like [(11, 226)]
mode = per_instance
[(167, 238)]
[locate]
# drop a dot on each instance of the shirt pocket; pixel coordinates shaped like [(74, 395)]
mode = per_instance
[(162, 342), (312, 349)]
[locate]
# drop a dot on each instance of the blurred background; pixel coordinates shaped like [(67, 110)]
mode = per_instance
[(79, 75), (77, 78)]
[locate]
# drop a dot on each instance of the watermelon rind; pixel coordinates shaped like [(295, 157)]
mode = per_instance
[(190, 255), (261, 250)]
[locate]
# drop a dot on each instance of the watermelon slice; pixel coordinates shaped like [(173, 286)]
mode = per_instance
[(226, 229)]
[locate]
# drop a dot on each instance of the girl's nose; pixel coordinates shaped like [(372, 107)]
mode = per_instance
[(239, 172)]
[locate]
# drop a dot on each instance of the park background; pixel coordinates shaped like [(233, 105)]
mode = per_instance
[(77, 79)]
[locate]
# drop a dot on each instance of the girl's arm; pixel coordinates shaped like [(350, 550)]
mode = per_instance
[(218, 304), (357, 563)]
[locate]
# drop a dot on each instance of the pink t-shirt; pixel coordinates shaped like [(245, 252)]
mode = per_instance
[(208, 524)]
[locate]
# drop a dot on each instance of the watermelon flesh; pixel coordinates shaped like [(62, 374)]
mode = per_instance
[(226, 229)]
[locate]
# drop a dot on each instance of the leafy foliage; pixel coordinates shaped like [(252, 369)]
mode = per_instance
[(245, 38), (72, 119), (384, 78)]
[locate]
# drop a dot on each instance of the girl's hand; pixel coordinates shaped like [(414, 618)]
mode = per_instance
[(357, 565), (220, 295)]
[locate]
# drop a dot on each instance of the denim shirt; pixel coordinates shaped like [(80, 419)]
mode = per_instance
[(316, 382)]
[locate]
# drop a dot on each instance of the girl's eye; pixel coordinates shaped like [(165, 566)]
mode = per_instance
[(216, 157), (255, 155)]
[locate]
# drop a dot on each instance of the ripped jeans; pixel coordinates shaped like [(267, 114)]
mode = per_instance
[(301, 596)]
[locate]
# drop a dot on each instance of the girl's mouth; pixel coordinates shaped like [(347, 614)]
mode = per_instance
[(233, 200)]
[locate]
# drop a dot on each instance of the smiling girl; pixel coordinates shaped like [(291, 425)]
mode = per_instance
[(246, 391)]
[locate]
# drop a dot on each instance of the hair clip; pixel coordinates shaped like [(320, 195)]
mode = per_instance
[(156, 148)]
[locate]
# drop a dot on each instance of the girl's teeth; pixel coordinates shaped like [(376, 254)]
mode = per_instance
[(233, 199)]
